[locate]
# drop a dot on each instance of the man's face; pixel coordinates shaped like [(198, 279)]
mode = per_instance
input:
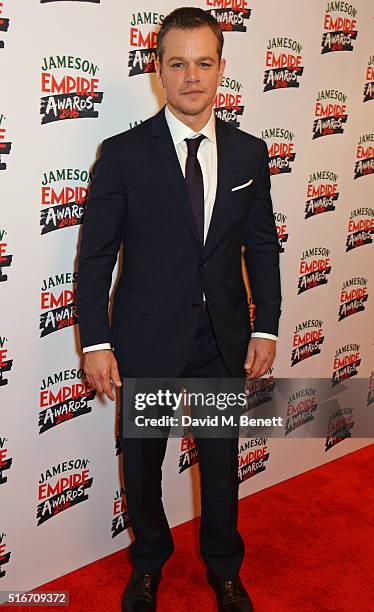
[(191, 70)]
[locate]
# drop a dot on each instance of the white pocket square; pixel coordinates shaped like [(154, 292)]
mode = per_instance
[(242, 186)]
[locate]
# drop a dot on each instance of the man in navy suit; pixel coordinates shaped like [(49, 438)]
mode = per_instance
[(184, 192)]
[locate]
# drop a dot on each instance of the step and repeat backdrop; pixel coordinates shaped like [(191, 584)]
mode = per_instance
[(300, 75)]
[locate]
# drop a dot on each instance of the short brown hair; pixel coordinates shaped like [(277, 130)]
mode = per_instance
[(188, 18)]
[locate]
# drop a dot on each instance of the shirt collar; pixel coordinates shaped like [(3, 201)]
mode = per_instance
[(179, 130)]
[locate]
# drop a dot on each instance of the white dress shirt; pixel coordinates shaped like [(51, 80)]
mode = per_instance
[(207, 156)]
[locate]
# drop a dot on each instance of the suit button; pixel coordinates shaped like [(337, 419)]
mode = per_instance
[(195, 305), (203, 263)]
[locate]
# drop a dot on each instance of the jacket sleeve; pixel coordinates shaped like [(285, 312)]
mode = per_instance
[(262, 254), (103, 226)]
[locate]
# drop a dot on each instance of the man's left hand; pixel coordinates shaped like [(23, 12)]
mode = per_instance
[(260, 356)]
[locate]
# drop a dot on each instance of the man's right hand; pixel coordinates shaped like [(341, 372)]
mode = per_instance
[(101, 371)]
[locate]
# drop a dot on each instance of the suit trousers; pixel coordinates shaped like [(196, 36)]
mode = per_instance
[(221, 545)]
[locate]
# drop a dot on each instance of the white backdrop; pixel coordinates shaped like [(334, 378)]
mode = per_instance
[(59, 480)]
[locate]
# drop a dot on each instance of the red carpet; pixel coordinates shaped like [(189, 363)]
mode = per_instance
[(309, 547)]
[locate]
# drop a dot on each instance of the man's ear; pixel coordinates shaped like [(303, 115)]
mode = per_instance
[(222, 66), (158, 72)]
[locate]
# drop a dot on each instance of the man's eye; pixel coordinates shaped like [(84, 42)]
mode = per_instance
[(177, 65), (204, 64)]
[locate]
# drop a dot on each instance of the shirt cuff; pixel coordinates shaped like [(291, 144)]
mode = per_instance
[(97, 347), (264, 335)]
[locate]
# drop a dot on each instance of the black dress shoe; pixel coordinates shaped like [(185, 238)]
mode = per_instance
[(231, 595), (140, 593)]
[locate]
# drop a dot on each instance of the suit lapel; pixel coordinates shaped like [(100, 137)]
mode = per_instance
[(225, 158), (168, 159)]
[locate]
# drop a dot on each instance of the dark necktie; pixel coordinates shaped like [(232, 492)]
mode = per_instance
[(194, 180)]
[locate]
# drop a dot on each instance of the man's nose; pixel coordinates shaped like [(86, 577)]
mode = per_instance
[(191, 74)]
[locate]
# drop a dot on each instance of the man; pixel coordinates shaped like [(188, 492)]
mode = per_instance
[(183, 191)]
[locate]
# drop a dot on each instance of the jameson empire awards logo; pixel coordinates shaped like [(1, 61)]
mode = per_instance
[(330, 113), (189, 454), (228, 102), (364, 164), (142, 54), (253, 457), (4, 25), (280, 219), (281, 149), (63, 397), (58, 305), (5, 146), (230, 14), (301, 406), (66, 94), (338, 427), (340, 27), (369, 78), (259, 391), (314, 268), (5, 461), (4, 554), (120, 520), (346, 361), (5, 258), (57, 493), (322, 193), (63, 198), (6, 364), (353, 295), (360, 228), (283, 63), (307, 339)]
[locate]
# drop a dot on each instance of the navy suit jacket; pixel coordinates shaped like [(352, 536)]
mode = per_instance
[(138, 196)]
